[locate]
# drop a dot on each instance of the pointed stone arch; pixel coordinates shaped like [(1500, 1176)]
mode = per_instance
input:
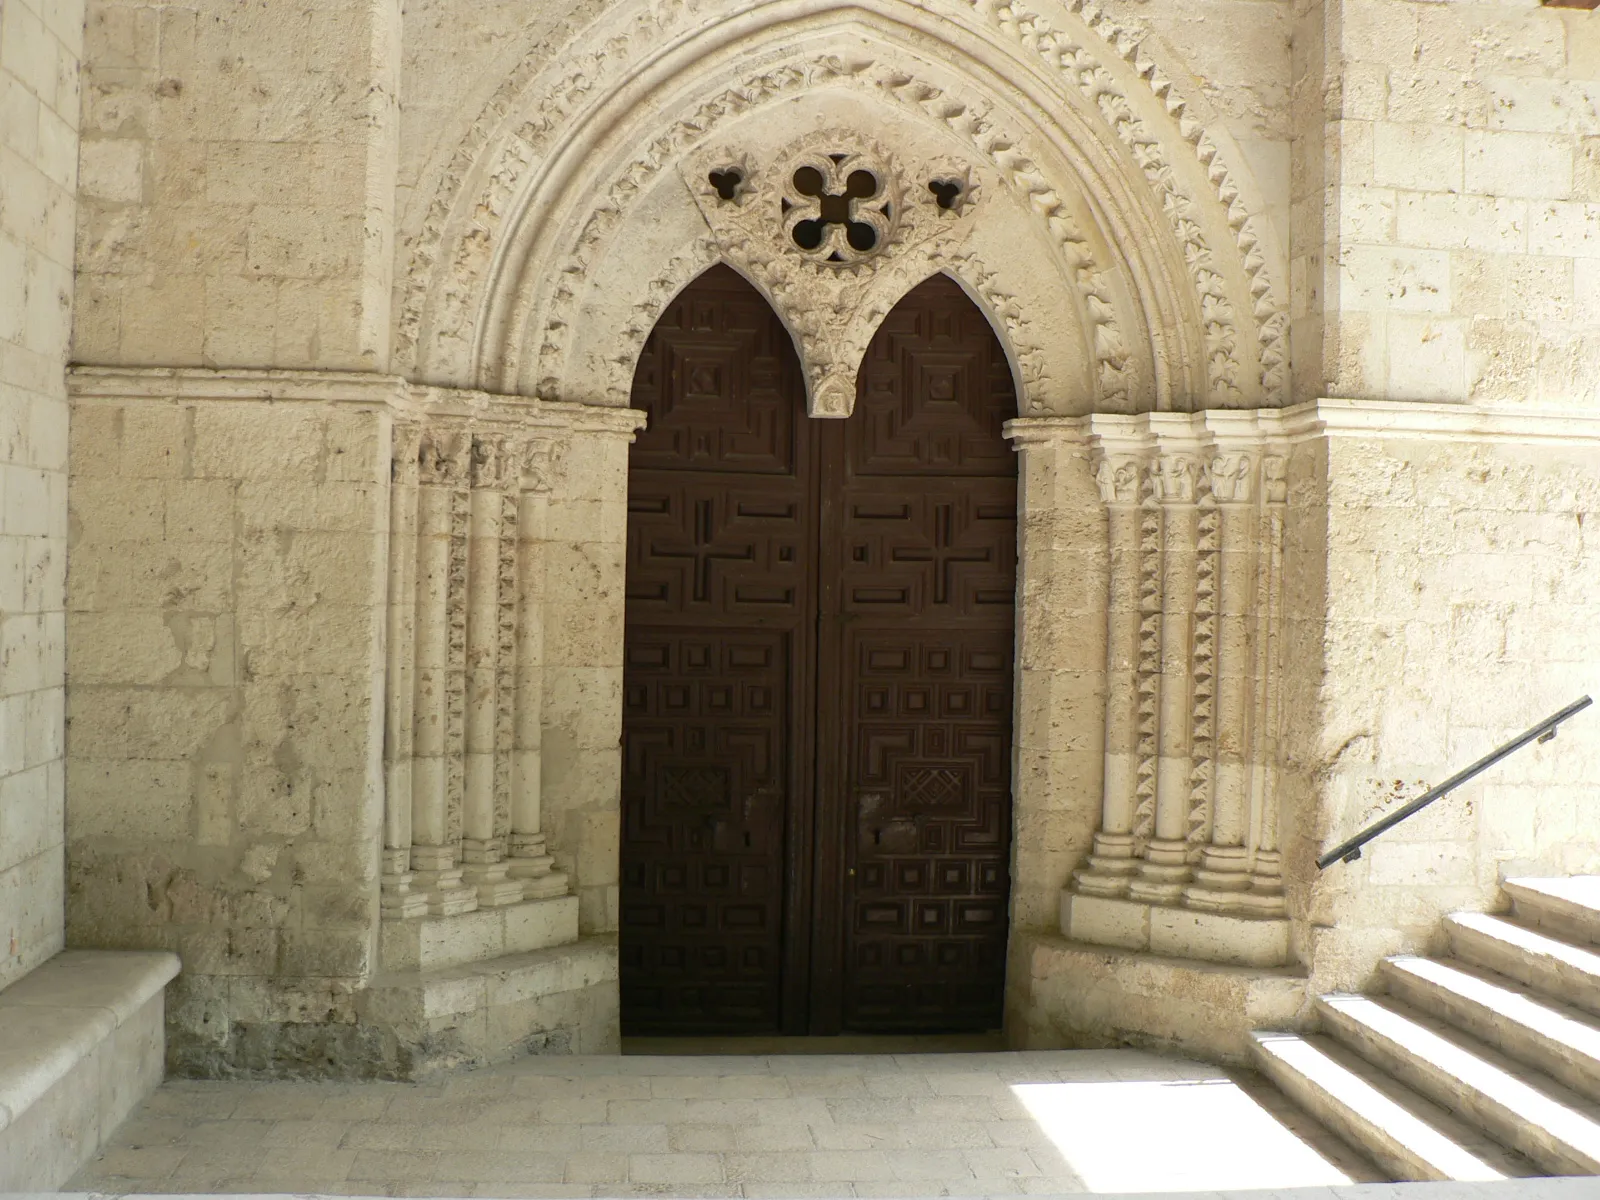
[(1161, 296)]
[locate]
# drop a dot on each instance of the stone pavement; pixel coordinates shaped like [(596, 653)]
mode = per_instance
[(757, 1126)]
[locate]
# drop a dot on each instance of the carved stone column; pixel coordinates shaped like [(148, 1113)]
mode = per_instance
[(491, 583), (437, 777), (1224, 868), (1176, 477), (1119, 473), (1266, 880), (530, 861), (398, 891), (1192, 687)]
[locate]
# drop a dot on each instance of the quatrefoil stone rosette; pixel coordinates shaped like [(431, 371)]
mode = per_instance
[(840, 208), (834, 230)]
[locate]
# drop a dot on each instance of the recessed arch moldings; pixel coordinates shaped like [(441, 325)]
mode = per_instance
[(1166, 269)]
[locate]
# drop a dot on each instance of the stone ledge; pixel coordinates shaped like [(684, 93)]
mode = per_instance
[(1070, 994), (80, 1045), (1175, 932), (53, 1017), (1439, 421)]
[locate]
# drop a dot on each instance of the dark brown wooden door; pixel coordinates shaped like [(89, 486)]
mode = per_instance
[(818, 679)]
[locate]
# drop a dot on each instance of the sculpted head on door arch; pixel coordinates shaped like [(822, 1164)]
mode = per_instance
[(1103, 225)]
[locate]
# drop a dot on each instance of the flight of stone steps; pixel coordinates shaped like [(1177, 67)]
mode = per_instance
[(1478, 1067)]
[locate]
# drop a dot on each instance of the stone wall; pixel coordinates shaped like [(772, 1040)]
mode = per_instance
[(1459, 251), (1459, 609), (238, 165), (225, 625), (40, 45)]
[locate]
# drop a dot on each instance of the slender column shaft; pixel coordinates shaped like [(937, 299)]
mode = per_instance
[(398, 897), (1166, 865), (401, 650), (440, 652), (483, 642), (530, 861), (1266, 886), (1172, 776), (1224, 867), (484, 832), (505, 662), (433, 569), (1114, 860), (1234, 675)]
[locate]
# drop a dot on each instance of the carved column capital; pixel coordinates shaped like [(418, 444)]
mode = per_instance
[(1027, 433), (490, 461), (539, 462), (1275, 479), (443, 458), (1175, 477), (1233, 478), (1117, 477)]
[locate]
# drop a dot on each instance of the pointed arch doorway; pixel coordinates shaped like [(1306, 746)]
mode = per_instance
[(817, 691)]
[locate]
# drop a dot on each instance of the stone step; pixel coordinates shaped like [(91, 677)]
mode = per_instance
[(1517, 1106), (1550, 965), (1495, 1010), (1405, 1134), (1567, 907)]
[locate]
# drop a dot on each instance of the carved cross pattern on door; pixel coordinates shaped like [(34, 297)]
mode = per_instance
[(703, 552), (942, 554)]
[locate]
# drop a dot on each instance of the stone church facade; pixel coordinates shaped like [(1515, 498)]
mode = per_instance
[(317, 560)]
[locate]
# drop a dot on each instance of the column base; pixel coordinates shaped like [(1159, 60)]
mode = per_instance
[(398, 897), (485, 871), (1221, 878), (447, 895), (530, 864), (1163, 873), (1111, 867), (436, 875)]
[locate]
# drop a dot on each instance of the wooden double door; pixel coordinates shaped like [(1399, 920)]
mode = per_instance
[(817, 691)]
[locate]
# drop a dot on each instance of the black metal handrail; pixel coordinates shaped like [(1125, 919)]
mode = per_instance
[(1542, 732)]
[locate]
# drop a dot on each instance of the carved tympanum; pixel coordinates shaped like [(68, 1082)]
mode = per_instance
[(834, 230)]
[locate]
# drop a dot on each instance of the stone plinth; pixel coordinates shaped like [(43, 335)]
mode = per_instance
[(1067, 993), (555, 1001), (429, 943), (1176, 932)]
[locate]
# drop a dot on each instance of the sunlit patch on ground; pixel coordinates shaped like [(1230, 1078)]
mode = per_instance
[(1171, 1134)]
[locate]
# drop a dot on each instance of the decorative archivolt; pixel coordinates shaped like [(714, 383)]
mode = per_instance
[(1164, 265)]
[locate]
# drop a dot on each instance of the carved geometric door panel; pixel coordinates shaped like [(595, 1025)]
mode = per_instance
[(719, 657), (818, 679), (919, 527)]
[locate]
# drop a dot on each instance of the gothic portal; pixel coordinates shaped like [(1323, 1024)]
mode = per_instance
[(817, 696)]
